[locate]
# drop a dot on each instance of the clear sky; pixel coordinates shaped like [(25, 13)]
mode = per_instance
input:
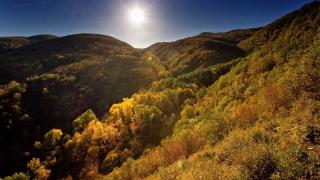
[(165, 20)]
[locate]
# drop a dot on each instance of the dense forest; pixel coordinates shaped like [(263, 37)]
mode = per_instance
[(243, 104)]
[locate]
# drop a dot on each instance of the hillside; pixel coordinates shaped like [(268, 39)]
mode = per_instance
[(8, 43), (44, 56), (188, 54), (259, 121), (239, 105), (43, 37), (61, 78), (76, 63), (303, 21), (234, 36)]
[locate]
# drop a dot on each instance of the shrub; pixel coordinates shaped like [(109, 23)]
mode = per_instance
[(187, 112), (52, 138), (82, 121), (42, 173), (18, 176), (33, 164), (244, 115), (262, 64), (250, 151)]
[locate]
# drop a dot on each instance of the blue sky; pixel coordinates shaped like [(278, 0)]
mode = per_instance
[(167, 20)]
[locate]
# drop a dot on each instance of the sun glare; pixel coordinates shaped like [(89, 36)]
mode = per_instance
[(137, 16)]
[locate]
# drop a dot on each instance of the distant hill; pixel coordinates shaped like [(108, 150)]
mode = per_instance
[(235, 36), (188, 54), (43, 56), (7, 43), (43, 37), (12, 42)]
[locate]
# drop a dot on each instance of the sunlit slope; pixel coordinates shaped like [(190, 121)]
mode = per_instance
[(259, 121), (299, 25)]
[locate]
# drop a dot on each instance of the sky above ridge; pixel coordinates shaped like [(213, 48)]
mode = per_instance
[(138, 22)]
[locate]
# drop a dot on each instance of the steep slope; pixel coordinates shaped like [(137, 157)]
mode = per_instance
[(259, 121), (303, 21), (188, 54)]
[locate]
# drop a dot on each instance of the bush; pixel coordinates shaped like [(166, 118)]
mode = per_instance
[(52, 138), (18, 176), (82, 121), (250, 151)]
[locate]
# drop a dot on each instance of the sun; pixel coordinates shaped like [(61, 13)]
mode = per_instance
[(137, 16)]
